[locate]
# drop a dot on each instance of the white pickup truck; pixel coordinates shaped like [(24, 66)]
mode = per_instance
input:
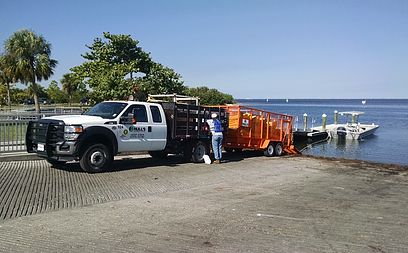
[(112, 127)]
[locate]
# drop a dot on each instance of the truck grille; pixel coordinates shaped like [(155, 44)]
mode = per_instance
[(46, 132)]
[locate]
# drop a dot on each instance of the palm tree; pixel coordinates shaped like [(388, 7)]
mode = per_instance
[(7, 73), (69, 85), (31, 54)]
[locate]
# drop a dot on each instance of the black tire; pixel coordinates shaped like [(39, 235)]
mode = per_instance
[(270, 150), (278, 149), (158, 154), (199, 150), (96, 158), (55, 163)]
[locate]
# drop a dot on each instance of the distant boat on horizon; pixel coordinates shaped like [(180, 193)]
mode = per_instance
[(363, 102), (287, 100)]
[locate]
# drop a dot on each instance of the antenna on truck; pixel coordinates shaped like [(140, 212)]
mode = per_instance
[(180, 99)]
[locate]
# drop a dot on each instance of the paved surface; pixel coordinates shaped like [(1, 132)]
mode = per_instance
[(256, 204), (31, 187)]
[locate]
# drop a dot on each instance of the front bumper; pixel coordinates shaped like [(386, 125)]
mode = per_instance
[(46, 138), (65, 151)]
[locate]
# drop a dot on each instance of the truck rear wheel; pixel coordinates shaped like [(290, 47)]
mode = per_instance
[(270, 150), (199, 150), (158, 154), (96, 158)]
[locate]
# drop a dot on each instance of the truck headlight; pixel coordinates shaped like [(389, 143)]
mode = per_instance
[(72, 132)]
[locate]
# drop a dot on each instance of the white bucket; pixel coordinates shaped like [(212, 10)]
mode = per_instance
[(207, 159)]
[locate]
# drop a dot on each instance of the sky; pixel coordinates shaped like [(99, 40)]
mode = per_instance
[(249, 49)]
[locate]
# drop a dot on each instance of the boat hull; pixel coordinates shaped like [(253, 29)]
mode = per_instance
[(352, 132)]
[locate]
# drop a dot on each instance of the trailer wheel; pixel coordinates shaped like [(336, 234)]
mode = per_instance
[(270, 150), (199, 150), (158, 154), (96, 158), (278, 149)]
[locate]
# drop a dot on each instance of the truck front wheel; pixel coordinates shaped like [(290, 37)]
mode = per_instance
[(96, 158), (199, 150)]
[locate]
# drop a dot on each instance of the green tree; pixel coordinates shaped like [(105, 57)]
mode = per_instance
[(3, 95), (19, 95), (80, 93), (117, 67), (31, 54), (55, 94), (7, 72), (39, 90), (161, 80), (70, 85), (209, 96)]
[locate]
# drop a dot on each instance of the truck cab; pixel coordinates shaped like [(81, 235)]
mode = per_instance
[(141, 127), (110, 127)]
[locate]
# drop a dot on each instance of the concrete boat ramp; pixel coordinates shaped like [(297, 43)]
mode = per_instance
[(248, 204)]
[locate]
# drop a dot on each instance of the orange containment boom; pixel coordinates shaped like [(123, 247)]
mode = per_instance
[(250, 128)]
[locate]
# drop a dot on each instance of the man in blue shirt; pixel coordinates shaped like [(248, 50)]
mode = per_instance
[(216, 132)]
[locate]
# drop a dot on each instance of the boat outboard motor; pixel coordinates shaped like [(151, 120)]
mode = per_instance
[(341, 132)]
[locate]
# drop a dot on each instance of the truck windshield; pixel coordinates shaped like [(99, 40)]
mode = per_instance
[(106, 110)]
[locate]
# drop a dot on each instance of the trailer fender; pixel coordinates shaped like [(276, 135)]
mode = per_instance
[(265, 144)]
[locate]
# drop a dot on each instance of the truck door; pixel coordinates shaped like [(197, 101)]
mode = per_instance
[(158, 128), (134, 134)]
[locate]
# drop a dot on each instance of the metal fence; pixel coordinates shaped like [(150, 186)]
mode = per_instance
[(13, 127), (12, 135)]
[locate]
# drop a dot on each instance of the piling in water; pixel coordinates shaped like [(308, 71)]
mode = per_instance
[(336, 117), (305, 121), (324, 121)]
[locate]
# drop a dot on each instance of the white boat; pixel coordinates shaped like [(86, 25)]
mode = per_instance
[(353, 130)]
